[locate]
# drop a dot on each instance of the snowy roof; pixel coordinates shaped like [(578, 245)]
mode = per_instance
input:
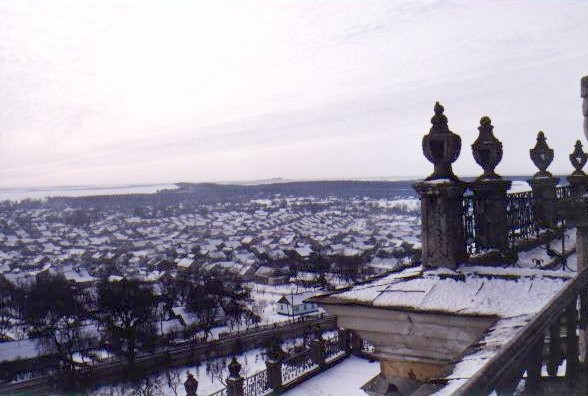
[(294, 299), (457, 293)]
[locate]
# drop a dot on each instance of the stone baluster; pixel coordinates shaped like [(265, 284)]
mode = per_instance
[(489, 190), (274, 365), (534, 364), (441, 194), (543, 183), (507, 385), (555, 352), (578, 179), (234, 380), (572, 343)]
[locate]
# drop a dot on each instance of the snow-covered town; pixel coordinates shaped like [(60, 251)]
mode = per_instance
[(282, 249), (295, 197), (268, 241)]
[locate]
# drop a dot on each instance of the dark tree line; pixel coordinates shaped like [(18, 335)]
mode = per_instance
[(120, 316)]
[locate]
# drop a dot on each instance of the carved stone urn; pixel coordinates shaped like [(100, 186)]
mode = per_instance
[(234, 368), (578, 159), (487, 150), (191, 385), (441, 147), (542, 156)]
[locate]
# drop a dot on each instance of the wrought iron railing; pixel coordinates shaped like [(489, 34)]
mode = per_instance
[(563, 192), (297, 365), (469, 223), (520, 217), (334, 347), (257, 384)]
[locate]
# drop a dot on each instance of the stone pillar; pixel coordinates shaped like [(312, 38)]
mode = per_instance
[(489, 190), (356, 344), (544, 197), (274, 365), (578, 185), (234, 380), (274, 374), (442, 230), (317, 351), (490, 212), (543, 183), (584, 93), (578, 179)]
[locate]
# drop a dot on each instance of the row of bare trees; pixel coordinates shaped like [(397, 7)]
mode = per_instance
[(119, 316)]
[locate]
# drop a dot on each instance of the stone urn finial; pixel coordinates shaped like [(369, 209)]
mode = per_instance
[(578, 159), (542, 156), (275, 351), (234, 368), (191, 385), (487, 150), (441, 146)]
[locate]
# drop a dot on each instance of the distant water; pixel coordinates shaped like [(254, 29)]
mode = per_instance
[(18, 194)]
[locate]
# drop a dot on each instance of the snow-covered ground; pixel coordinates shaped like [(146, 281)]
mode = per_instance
[(346, 378)]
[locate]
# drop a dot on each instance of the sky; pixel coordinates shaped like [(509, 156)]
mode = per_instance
[(128, 92)]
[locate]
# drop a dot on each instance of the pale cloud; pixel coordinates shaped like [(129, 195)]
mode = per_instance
[(158, 91)]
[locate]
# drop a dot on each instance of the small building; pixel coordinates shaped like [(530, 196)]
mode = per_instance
[(294, 305), (270, 276)]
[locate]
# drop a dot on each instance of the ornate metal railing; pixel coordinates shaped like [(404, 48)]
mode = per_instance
[(563, 192), (469, 223), (520, 216), (257, 384), (297, 365), (333, 347)]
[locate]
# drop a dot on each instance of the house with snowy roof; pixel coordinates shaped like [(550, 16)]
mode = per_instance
[(295, 304)]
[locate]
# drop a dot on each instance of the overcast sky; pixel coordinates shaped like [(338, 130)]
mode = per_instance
[(122, 92)]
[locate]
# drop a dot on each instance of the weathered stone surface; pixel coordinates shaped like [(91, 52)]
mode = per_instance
[(442, 230), (578, 185), (544, 197), (487, 150), (412, 336), (490, 210), (441, 146), (542, 156), (413, 370)]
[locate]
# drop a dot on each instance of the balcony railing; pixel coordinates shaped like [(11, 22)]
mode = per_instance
[(297, 365), (257, 384), (520, 217), (539, 344)]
